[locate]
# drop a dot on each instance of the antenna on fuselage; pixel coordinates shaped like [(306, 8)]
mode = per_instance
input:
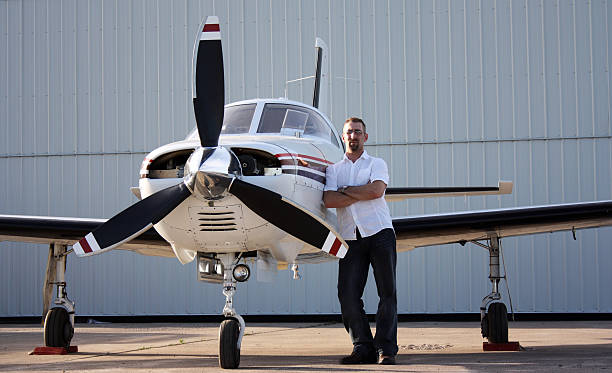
[(317, 83)]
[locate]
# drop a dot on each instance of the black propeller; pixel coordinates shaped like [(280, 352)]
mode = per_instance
[(211, 171), (290, 217), (208, 84), (208, 103), (132, 221)]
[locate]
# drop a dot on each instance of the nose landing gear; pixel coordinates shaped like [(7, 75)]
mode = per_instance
[(232, 328), (229, 345)]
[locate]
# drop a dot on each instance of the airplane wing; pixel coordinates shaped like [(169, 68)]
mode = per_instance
[(412, 232), (438, 229), (394, 194), (67, 231)]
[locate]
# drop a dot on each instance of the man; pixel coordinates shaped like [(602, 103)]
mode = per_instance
[(355, 186)]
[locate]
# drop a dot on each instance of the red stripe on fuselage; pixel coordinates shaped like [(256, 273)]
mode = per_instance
[(300, 162), (302, 156), (211, 27), (85, 245), (335, 247)]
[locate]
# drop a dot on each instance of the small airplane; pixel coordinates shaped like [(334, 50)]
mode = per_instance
[(247, 182)]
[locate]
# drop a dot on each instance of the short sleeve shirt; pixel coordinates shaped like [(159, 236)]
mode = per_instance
[(371, 216)]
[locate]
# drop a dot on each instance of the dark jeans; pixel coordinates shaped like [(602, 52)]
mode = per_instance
[(379, 251)]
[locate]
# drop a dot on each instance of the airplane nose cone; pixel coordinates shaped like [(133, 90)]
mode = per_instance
[(211, 185), (209, 171)]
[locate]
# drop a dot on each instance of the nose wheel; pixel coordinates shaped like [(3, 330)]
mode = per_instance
[(232, 328), (229, 351)]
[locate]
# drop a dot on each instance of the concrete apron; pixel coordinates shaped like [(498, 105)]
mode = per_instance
[(308, 347)]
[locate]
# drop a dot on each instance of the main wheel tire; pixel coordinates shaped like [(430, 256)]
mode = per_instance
[(229, 353), (484, 326), (58, 328), (497, 328)]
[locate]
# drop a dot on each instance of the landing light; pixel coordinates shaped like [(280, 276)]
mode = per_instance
[(241, 272)]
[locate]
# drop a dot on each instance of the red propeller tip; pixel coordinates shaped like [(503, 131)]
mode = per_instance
[(211, 27), (211, 30)]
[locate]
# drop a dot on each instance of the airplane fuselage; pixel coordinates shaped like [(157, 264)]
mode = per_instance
[(281, 145)]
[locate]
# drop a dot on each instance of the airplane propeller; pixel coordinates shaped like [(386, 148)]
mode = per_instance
[(132, 221), (208, 85), (290, 217), (212, 171)]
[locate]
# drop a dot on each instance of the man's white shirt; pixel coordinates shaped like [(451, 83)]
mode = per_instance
[(371, 216)]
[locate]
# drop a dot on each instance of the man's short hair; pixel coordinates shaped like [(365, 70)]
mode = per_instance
[(357, 120)]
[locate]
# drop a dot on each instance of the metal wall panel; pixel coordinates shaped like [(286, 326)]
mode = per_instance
[(453, 92)]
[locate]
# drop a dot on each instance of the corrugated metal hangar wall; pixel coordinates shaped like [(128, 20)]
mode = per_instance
[(453, 92)]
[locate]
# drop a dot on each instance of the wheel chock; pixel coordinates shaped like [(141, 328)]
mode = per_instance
[(54, 350), (508, 346)]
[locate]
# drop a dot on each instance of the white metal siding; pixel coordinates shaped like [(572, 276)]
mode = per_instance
[(453, 92)]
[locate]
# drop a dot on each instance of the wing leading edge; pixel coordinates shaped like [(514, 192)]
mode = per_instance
[(67, 231), (393, 194), (438, 229)]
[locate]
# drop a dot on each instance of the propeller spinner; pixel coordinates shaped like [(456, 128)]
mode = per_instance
[(212, 171)]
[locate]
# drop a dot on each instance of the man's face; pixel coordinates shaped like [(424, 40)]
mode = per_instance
[(354, 136)]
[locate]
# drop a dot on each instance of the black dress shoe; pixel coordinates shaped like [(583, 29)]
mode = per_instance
[(386, 360), (360, 357)]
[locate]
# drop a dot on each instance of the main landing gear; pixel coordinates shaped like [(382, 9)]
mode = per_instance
[(59, 320), (494, 321)]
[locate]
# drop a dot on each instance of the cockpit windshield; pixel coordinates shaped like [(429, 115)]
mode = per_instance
[(278, 119), (236, 120), (294, 120)]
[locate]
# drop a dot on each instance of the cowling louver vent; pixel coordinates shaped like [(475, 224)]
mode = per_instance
[(216, 221)]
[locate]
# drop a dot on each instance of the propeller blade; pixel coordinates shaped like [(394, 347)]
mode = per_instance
[(290, 217), (208, 83), (132, 221)]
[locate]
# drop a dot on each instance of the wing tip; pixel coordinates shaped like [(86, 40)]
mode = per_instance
[(505, 187)]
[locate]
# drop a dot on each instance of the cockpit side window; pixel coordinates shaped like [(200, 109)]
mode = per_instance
[(317, 126)]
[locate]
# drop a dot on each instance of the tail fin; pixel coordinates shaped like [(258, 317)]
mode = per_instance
[(321, 86)]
